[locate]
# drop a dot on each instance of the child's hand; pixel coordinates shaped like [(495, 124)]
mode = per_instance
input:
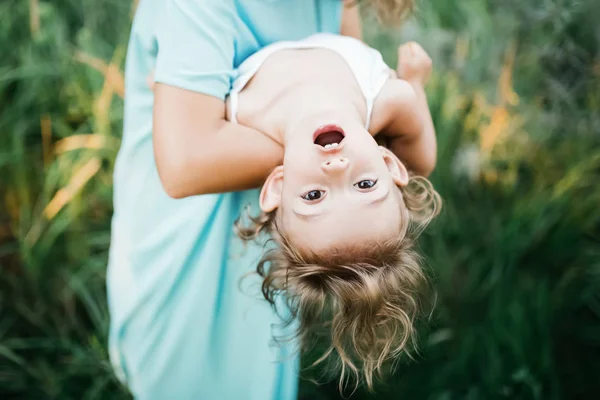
[(414, 64)]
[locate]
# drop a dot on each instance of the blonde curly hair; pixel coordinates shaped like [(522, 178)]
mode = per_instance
[(363, 299)]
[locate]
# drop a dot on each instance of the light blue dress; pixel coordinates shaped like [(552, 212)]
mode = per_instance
[(181, 326)]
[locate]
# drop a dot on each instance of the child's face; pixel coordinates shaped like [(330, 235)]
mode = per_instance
[(331, 197)]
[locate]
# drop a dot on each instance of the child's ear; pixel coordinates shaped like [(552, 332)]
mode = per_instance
[(395, 166), (270, 194)]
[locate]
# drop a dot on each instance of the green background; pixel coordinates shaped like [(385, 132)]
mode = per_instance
[(515, 255)]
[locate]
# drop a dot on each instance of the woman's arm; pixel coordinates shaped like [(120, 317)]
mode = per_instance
[(351, 22), (198, 152)]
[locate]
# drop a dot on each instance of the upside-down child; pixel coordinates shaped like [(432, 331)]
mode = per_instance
[(180, 328), (342, 210)]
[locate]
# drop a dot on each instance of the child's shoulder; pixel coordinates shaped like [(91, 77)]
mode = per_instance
[(395, 95)]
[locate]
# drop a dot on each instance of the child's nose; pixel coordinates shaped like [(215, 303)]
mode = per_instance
[(338, 164)]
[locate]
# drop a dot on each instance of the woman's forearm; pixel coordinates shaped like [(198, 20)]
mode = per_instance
[(198, 152), (231, 158)]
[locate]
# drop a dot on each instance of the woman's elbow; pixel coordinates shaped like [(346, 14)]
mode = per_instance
[(428, 165), (172, 178), (176, 175), (175, 191)]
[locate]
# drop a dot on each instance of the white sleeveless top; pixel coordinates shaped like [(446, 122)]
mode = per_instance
[(366, 63)]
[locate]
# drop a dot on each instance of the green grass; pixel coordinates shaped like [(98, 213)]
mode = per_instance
[(515, 255)]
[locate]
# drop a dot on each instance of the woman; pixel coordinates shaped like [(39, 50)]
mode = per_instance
[(180, 326)]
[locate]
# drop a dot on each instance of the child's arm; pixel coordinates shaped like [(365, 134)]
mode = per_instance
[(402, 114), (420, 149)]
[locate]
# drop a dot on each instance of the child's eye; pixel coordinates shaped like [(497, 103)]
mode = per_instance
[(313, 195), (366, 184)]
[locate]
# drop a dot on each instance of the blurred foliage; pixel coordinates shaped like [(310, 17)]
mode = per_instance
[(60, 116), (515, 255)]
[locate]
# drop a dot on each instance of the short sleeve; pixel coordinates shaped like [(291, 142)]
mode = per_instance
[(196, 46)]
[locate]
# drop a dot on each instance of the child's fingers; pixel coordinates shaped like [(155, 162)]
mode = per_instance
[(413, 54), (405, 55), (421, 53), (405, 50), (412, 49)]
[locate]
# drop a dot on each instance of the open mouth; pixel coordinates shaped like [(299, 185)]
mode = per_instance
[(329, 136)]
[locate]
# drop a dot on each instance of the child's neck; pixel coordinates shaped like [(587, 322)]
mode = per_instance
[(345, 116)]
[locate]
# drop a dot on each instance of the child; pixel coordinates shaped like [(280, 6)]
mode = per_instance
[(180, 328), (341, 209)]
